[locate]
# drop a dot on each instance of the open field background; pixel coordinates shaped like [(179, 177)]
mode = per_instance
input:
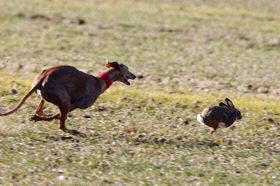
[(186, 54)]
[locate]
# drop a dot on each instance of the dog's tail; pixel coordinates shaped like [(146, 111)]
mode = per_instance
[(22, 101)]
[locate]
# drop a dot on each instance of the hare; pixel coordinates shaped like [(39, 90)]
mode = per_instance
[(221, 116)]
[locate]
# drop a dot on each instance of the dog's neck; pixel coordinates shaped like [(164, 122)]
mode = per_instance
[(107, 77)]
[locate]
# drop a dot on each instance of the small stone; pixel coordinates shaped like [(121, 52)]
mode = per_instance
[(179, 137), (140, 76), (162, 140), (276, 91), (101, 108), (20, 14), (81, 21), (142, 135), (86, 116), (39, 16), (249, 87), (262, 90), (60, 171), (130, 129), (20, 66), (14, 91), (156, 139), (186, 122), (270, 120), (61, 177)]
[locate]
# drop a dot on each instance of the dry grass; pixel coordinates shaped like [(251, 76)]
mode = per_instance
[(189, 55)]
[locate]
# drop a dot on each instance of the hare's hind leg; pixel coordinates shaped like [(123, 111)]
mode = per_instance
[(212, 131), (214, 128)]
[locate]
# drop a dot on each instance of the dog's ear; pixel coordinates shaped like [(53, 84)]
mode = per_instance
[(114, 65)]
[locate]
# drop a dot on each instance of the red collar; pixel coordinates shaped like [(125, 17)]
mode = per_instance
[(105, 77)]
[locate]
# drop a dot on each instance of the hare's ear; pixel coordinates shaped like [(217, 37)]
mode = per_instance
[(114, 65), (222, 104), (229, 102)]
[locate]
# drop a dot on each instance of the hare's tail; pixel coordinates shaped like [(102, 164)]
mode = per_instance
[(200, 118)]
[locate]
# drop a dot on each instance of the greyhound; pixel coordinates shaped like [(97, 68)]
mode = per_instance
[(68, 88)]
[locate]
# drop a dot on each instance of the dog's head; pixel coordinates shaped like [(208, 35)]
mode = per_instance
[(125, 74)]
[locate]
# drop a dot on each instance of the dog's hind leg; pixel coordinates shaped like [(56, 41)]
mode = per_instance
[(59, 97), (44, 118), (37, 117), (39, 110), (41, 116), (55, 95)]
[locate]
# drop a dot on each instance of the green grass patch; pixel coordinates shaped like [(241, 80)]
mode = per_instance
[(188, 54)]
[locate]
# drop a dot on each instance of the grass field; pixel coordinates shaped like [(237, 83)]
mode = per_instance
[(186, 54)]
